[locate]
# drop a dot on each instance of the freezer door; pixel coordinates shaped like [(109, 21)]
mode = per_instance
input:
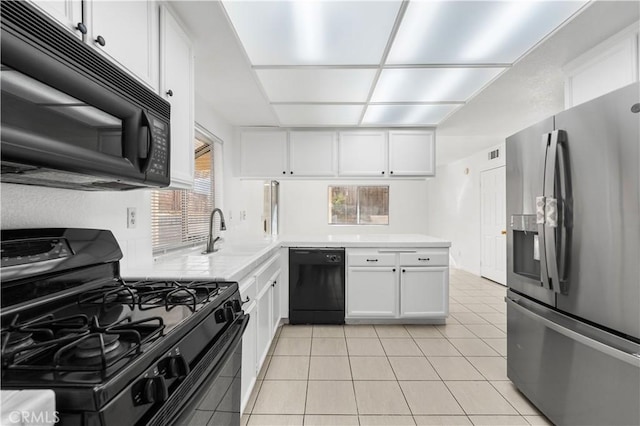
[(602, 156), (576, 374), (525, 168)]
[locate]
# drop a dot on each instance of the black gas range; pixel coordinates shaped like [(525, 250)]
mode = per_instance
[(115, 351)]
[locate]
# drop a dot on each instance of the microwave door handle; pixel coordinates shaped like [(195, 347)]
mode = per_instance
[(145, 142), (540, 215)]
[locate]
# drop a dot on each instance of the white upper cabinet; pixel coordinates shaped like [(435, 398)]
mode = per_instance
[(66, 12), (176, 86), (312, 153), (263, 153), (127, 33), (411, 153), (362, 153)]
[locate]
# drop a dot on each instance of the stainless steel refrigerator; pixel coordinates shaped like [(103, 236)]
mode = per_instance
[(573, 303)]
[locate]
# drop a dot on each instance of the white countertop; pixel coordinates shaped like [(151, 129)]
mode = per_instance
[(236, 258)]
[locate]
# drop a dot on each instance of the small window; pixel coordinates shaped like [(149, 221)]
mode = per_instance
[(358, 205)]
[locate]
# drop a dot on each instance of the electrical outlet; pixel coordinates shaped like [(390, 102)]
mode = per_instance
[(132, 217)]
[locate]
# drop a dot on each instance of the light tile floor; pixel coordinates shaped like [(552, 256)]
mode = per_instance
[(453, 374)]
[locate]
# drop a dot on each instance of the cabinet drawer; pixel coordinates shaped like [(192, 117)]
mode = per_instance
[(248, 290), (372, 259), (425, 258), (266, 272)]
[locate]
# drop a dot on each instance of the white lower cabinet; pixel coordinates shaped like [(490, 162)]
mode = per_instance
[(249, 354), (275, 298), (424, 292), (405, 284), (372, 292), (260, 290), (263, 317)]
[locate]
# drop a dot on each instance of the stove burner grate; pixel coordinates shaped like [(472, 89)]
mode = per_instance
[(92, 347)]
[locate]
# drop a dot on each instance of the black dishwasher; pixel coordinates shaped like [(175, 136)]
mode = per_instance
[(316, 286)]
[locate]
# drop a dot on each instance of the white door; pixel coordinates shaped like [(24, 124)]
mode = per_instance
[(423, 292), (372, 292), (493, 224)]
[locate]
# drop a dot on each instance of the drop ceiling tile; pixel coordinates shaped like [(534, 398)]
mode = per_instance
[(316, 85), (431, 84), (472, 32), (313, 32), (407, 115), (318, 115)]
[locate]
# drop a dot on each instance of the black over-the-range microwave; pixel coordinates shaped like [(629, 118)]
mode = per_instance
[(71, 118)]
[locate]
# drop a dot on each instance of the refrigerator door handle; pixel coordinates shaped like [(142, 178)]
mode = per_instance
[(630, 358), (540, 214), (551, 213)]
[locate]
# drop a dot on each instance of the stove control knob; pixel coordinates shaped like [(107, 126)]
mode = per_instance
[(154, 390), (224, 314), (176, 366), (237, 305)]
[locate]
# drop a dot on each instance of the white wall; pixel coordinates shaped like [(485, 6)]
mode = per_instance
[(304, 207), (39, 207), (453, 211)]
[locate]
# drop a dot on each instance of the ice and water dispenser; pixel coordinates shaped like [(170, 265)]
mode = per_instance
[(526, 247)]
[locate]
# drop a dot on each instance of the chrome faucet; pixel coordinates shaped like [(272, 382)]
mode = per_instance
[(210, 240)]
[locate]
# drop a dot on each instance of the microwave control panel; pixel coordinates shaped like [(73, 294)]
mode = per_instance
[(159, 164)]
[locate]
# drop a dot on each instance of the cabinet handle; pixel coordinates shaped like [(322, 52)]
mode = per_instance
[(169, 92), (393, 270), (372, 260), (391, 172), (100, 40), (291, 172), (382, 172), (284, 173), (422, 258), (274, 283), (404, 270), (81, 27)]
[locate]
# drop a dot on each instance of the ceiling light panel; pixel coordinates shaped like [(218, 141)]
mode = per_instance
[(318, 115), (475, 32), (316, 85), (313, 32), (431, 84), (407, 115)]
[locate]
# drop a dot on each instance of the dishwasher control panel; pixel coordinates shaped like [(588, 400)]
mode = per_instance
[(333, 258)]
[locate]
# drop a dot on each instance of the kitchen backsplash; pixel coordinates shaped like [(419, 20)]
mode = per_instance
[(25, 206)]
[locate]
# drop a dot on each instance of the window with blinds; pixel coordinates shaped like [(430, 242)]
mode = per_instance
[(180, 218)]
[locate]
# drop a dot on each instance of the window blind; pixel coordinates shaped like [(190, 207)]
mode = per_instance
[(181, 217)]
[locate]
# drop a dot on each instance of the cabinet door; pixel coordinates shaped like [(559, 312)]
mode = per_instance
[(424, 292), (263, 153), (264, 318), (312, 153), (411, 153), (129, 30), (249, 355), (372, 292), (66, 12), (362, 154), (176, 58), (275, 309)]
